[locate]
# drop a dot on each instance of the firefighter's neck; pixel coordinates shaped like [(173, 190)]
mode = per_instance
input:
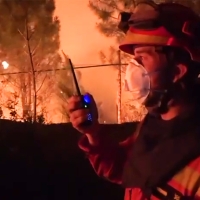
[(178, 109)]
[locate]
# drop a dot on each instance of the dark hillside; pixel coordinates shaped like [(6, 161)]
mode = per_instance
[(44, 162)]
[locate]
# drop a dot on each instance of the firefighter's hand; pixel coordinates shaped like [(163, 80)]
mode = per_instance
[(79, 115)]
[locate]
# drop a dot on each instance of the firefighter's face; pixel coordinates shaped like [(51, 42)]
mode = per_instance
[(153, 60), (162, 76)]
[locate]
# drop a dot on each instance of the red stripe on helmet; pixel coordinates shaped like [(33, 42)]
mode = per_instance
[(161, 31)]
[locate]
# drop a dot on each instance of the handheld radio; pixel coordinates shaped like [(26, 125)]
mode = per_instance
[(85, 98)]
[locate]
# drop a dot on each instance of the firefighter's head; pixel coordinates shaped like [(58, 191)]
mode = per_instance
[(164, 40)]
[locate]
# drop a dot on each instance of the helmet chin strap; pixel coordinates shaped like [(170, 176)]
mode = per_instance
[(159, 105), (163, 103)]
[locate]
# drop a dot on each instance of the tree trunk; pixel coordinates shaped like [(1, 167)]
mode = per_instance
[(119, 80), (23, 91), (33, 77)]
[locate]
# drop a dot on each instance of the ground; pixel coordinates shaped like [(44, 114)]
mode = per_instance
[(44, 162)]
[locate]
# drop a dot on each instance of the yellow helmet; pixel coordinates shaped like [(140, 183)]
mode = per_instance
[(165, 24)]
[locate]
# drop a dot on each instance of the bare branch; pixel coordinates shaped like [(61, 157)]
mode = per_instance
[(30, 36), (26, 52), (13, 83), (36, 47), (41, 83), (38, 64), (46, 95), (21, 34), (32, 72)]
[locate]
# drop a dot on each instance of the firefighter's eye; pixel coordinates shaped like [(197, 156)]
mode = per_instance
[(140, 59)]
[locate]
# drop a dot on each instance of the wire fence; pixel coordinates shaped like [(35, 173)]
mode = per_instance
[(53, 90)]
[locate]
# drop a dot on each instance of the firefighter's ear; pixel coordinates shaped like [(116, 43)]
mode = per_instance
[(180, 72)]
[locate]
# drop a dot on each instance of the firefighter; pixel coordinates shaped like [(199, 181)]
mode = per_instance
[(161, 159)]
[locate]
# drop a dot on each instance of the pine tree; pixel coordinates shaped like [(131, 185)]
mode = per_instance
[(29, 42), (108, 11)]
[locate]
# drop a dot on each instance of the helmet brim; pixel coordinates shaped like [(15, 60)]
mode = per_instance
[(159, 37), (133, 39)]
